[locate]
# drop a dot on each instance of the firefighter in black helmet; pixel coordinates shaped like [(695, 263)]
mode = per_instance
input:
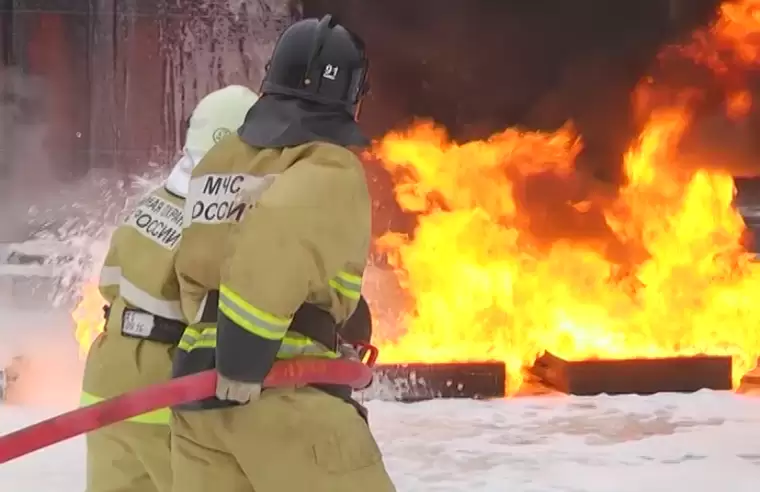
[(319, 61), (313, 88), (276, 238)]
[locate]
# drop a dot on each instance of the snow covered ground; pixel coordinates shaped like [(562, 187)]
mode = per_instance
[(671, 443), (692, 443)]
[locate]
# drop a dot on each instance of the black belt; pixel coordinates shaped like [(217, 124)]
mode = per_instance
[(309, 320), (136, 323)]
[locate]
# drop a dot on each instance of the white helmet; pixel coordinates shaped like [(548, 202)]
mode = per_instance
[(216, 116)]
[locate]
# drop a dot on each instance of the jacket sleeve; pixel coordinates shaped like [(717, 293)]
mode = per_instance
[(294, 238), (110, 273), (358, 327)]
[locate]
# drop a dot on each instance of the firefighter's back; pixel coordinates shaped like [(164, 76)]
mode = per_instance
[(143, 325), (279, 281), (228, 182), (290, 439)]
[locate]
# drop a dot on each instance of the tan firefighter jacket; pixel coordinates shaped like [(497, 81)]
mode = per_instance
[(139, 268), (138, 273), (269, 233)]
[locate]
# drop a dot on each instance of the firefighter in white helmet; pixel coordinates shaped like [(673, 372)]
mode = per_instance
[(144, 322)]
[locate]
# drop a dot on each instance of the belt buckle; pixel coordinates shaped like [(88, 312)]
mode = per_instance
[(137, 324)]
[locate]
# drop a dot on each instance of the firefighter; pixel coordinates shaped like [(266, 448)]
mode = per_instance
[(144, 321), (270, 267)]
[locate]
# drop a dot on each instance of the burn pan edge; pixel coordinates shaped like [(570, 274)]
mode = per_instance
[(413, 382), (634, 376)]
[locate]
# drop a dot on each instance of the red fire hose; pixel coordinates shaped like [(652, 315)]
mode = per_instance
[(174, 392)]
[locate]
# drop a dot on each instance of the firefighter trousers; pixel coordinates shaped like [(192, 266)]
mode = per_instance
[(290, 440), (129, 457)]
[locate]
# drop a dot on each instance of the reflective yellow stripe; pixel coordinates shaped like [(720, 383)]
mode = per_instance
[(156, 417), (293, 344), (297, 345), (198, 336), (347, 284), (250, 318)]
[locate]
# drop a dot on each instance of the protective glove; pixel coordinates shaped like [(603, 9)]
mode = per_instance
[(348, 351), (237, 391)]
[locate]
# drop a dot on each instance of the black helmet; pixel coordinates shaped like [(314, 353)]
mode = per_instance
[(319, 61)]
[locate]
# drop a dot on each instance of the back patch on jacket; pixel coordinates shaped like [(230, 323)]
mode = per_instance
[(223, 198), (159, 220)]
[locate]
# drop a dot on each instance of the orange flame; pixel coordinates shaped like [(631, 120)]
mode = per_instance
[(88, 317), (507, 261), (732, 42), (738, 104), (513, 256), (667, 276)]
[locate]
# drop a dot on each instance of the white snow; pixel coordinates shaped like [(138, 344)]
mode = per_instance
[(703, 442)]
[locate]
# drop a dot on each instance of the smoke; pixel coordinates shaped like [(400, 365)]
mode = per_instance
[(23, 161), (477, 67), (35, 203), (204, 46), (58, 229), (146, 89)]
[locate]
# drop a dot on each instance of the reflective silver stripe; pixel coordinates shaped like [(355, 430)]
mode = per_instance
[(353, 282), (295, 347), (109, 276), (250, 318), (347, 284), (194, 339), (141, 299)]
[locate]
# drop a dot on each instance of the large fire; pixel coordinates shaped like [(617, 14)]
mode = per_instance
[(513, 255)]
